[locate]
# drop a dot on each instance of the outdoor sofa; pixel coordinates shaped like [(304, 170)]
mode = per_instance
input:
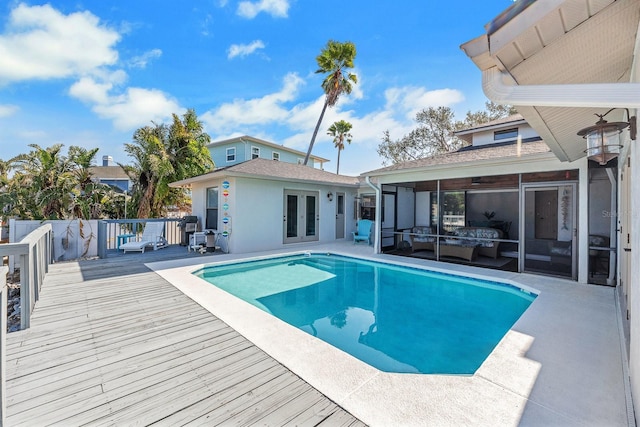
[(476, 237)]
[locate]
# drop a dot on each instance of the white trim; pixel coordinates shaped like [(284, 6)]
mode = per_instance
[(227, 155), (253, 147), (275, 156), (501, 88)]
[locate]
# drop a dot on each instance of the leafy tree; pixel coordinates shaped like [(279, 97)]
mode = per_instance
[(435, 133), (163, 154), (334, 60), (49, 185), (340, 133)]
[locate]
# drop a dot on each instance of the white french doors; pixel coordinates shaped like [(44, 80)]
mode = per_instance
[(301, 216)]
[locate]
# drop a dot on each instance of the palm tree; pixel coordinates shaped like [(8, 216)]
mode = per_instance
[(340, 133), (333, 60), (163, 154)]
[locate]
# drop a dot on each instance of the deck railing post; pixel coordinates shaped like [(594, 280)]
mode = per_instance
[(102, 239), (3, 344)]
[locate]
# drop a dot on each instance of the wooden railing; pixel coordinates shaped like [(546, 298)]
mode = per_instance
[(35, 255), (3, 343), (110, 229)]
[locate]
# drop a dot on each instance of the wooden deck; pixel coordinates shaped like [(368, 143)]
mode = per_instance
[(112, 343)]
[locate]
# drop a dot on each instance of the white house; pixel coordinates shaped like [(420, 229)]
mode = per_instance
[(265, 204), (232, 151)]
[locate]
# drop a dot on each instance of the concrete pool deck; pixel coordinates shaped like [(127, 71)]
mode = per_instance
[(561, 363)]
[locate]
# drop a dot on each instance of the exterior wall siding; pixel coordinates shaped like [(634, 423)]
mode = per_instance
[(243, 153), (486, 137)]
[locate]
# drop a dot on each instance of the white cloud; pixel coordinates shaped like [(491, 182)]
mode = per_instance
[(276, 8), (42, 43), (243, 50), (133, 108), (409, 99), (265, 110), (138, 107), (7, 110), (141, 61)]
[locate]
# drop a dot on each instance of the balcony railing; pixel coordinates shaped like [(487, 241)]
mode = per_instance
[(109, 231)]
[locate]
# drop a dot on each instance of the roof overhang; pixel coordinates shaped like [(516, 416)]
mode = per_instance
[(540, 162), (559, 62)]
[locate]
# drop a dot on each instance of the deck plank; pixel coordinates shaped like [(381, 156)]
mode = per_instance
[(113, 343)]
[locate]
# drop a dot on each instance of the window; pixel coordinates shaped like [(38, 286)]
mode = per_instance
[(452, 207), (212, 208), (300, 161), (275, 155), (255, 152), (231, 154), (499, 135)]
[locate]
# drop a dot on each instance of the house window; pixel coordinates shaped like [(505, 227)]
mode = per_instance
[(300, 161), (231, 154), (212, 208), (500, 135), (275, 156), (255, 152)]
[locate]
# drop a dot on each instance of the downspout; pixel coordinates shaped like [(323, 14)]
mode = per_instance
[(613, 228), (376, 239)]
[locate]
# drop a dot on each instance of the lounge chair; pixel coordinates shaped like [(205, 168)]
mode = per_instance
[(151, 237), (364, 231)]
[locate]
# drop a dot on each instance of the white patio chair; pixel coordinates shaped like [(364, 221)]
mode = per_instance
[(152, 236)]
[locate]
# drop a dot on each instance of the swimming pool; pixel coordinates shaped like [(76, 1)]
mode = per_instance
[(395, 318)]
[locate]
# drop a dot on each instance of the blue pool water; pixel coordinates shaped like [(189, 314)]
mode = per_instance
[(397, 319)]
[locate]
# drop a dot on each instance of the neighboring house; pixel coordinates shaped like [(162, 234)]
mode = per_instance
[(111, 174), (240, 149), (264, 204)]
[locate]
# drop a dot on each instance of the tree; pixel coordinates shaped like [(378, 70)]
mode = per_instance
[(435, 133), (49, 185), (334, 60), (163, 154), (340, 133)]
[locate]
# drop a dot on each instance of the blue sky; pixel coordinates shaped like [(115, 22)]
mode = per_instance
[(89, 73)]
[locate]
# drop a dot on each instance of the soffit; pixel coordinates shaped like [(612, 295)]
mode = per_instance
[(577, 42)]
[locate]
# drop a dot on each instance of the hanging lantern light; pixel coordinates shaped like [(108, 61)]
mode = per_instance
[(603, 138)]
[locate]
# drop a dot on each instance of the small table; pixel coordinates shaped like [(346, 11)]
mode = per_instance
[(123, 238)]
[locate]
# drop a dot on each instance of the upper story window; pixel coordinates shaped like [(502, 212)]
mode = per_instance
[(255, 152), (275, 155), (500, 135), (300, 161), (231, 154)]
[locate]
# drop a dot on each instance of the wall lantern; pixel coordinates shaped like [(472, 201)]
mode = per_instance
[(603, 138), (330, 196)]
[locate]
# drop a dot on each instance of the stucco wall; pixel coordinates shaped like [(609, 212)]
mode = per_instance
[(256, 209)]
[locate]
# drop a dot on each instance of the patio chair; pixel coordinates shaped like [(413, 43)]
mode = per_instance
[(151, 237), (364, 231)]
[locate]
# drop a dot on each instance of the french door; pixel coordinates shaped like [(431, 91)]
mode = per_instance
[(301, 216)]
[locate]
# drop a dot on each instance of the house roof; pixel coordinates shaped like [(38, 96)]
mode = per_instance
[(276, 171), (489, 152), (108, 172), (247, 138), (504, 122), (560, 62)]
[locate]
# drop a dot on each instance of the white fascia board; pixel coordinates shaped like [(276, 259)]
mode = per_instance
[(501, 88), (543, 162)]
